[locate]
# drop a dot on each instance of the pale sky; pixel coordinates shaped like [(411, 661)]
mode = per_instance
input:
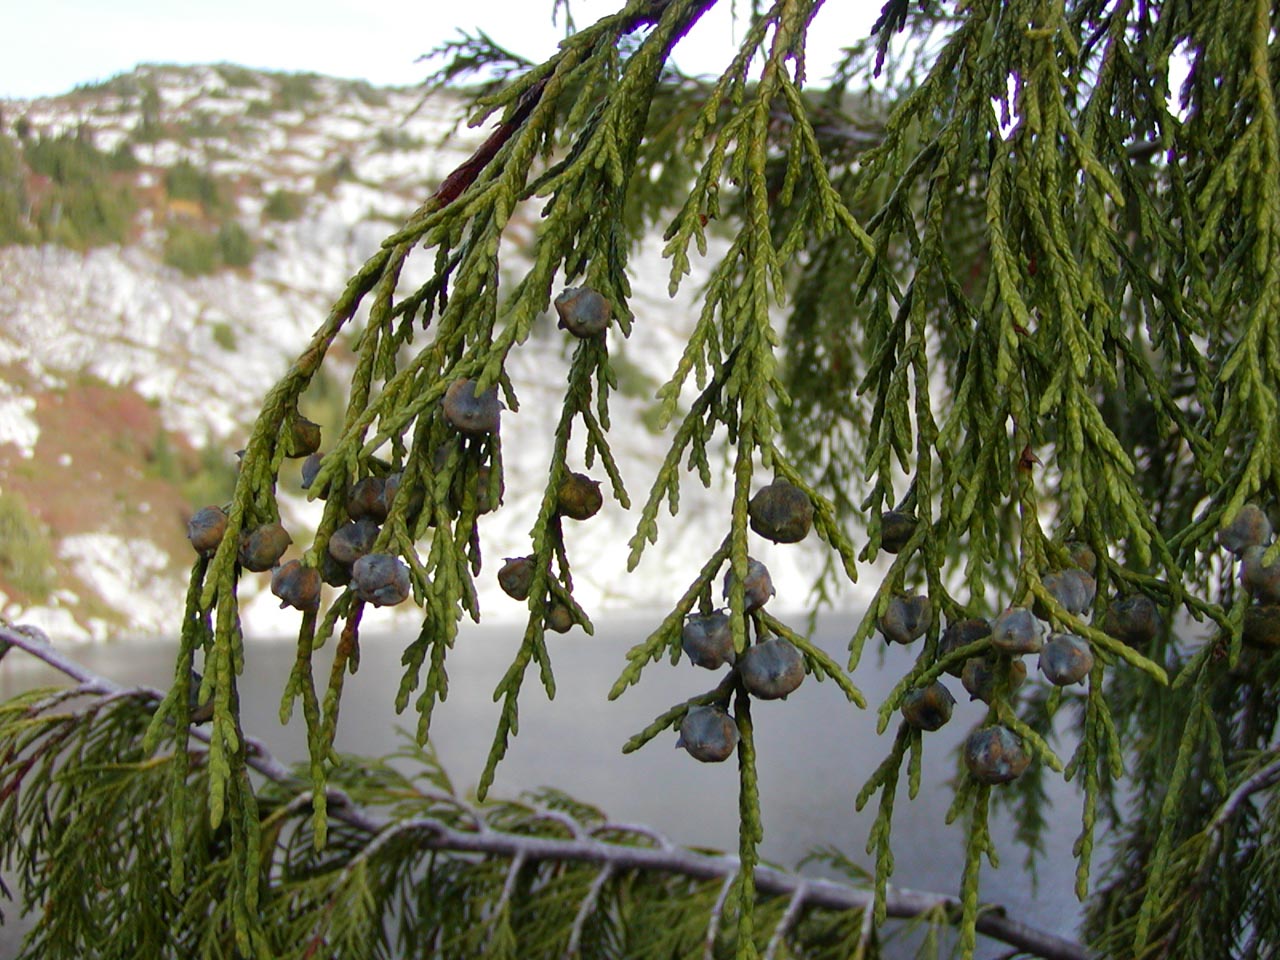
[(49, 46)]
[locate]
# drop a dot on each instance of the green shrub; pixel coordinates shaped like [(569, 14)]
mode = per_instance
[(295, 90), (25, 554), (85, 207), (236, 76), (285, 205), (65, 159), (191, 250), (235, 245), (185, 181), (162, 460), (122, 85), (149, 128), (214, 479), (89, 215), (122, 159), (325, 402), (343, 169), (633, 381), (368, 94), (224, 336), (15, 224), (197, 251), (201, 125)]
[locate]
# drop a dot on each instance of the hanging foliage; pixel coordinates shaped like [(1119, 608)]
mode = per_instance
[(1011, 319)]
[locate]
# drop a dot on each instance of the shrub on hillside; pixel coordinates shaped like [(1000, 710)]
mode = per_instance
[(368, 94), (122, 159), (25, 553), (191, 250), (213, 479), (236, 76), (185, 181), (150, 127), (295, 90), (84, 206), (235, 246), (342, 170), (284, 205), (15, 222), (197, 251)]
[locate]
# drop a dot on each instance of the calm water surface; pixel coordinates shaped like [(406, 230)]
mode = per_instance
[(815, 748)]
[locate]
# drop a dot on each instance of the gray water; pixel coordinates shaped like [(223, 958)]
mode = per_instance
[(815, 750)]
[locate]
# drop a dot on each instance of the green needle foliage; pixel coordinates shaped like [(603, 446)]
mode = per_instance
[(1023, 288), (408, 868)]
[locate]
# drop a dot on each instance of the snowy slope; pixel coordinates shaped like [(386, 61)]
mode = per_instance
[(200, 351)]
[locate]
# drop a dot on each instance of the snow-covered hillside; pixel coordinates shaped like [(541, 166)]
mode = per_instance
[(122, 377)]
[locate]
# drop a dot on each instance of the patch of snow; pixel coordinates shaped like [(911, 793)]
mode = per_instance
[(163, 153), (16, 423), (57, 622), (133, 569), (108, 140), (261, 616), (342, 128), (222, 105)]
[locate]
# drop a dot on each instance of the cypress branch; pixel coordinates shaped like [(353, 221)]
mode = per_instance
[(428, 821)]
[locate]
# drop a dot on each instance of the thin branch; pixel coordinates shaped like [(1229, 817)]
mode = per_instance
[(1268, 776), (1263, 779), (509, 885), (788, 919), (717, 911), (867, 932), (559, 816), (634, 829), (466, 172), (35, 642), (586, 908), (668, 859)]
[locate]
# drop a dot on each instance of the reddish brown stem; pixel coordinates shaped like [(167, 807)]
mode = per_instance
[(466, 172)]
